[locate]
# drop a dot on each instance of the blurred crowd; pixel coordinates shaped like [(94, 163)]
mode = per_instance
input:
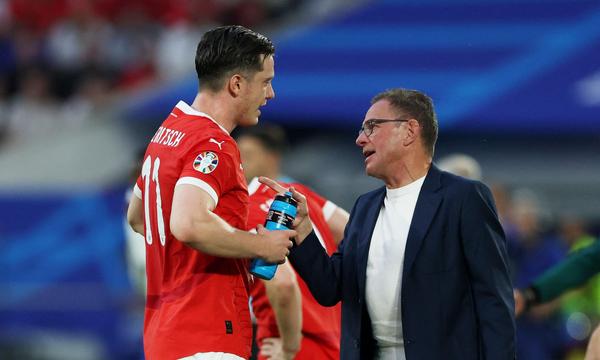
[(63, 61)]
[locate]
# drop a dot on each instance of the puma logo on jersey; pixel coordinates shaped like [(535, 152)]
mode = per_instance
[(219, 143)]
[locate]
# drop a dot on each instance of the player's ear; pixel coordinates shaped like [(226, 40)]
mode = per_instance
[(235, 84)]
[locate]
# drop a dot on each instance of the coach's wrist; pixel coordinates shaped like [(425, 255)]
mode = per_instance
[(303, 231)]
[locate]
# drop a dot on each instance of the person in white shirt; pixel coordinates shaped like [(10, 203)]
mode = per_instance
[(422, 271)]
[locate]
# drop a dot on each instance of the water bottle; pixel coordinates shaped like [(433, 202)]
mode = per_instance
[(281, 215)]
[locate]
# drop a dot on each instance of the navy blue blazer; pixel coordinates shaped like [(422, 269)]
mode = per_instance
[(457, 300)]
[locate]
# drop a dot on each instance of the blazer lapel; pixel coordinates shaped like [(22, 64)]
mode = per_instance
[(364, 238), (427, 204)]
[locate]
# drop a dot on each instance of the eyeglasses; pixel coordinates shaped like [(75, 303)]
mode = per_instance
[(369, 125)]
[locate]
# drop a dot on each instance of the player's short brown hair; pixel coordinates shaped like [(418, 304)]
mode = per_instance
[(229, 49)]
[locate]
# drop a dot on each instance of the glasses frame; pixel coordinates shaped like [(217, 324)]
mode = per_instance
[(368, 126)]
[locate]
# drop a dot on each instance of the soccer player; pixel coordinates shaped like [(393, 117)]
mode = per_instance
[(191, 201), (290, 322)]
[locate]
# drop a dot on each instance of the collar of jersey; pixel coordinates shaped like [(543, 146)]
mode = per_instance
[(183, 106), (253, 186)]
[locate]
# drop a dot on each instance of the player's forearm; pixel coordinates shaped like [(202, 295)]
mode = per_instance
[(286, 301), (229, 244), (135, 215), (337, 223), (138, 228), (212, 235), (136, 225)]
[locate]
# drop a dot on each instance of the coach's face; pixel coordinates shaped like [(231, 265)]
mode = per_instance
[(382, 148), (258, 89)]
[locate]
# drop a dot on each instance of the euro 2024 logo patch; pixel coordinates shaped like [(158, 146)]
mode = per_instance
[(206, 162)]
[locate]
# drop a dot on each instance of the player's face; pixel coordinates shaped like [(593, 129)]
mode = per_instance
[(258, 90), (383, 148), (254, 157)]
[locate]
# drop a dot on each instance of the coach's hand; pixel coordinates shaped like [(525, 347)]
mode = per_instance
[(277, 244), (302, 223)]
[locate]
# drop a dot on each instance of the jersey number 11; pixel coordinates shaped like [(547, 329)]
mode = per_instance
[(147, 170)]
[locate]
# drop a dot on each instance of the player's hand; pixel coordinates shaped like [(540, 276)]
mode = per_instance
[(272, 349), (519, 302), (277, 244), (302, 222)]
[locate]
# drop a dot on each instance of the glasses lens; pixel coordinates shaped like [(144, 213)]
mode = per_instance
[(368, 128)]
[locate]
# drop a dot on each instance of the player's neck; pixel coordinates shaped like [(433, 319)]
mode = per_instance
[(214, 106)]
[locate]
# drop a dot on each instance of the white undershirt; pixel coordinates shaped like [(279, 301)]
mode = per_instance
[(384, 268)]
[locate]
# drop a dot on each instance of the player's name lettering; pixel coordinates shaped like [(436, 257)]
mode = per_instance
[(168, 137)]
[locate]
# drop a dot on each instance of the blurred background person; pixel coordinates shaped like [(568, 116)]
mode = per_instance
[(290, 322), (34, 114), (540, 334), (579, 307), (462, 165)]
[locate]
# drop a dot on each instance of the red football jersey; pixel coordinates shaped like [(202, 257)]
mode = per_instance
[(195, 302), (320, 325)]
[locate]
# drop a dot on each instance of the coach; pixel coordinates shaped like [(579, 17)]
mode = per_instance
[(422, 271)]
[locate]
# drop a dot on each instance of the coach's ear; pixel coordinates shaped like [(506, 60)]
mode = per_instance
[(235, 85), (413, 132)]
